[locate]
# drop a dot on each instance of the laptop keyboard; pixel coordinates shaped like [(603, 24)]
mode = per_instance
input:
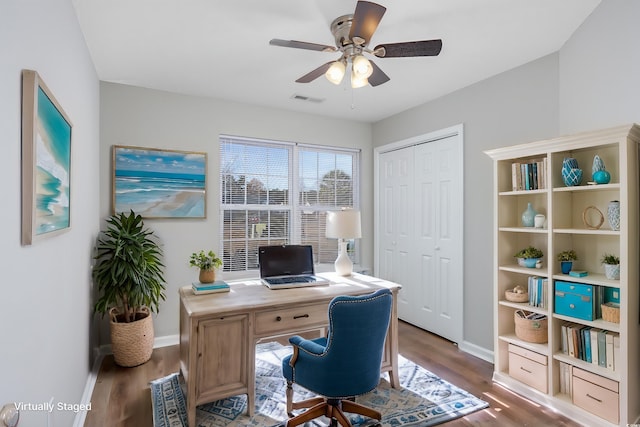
[(285, 280)]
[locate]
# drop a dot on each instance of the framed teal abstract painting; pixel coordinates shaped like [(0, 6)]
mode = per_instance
[(46, 162), (158, 183)]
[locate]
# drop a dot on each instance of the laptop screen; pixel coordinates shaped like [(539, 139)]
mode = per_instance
[(285, 260)]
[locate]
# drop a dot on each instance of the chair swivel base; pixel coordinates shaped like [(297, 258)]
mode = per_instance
[(333, 409)]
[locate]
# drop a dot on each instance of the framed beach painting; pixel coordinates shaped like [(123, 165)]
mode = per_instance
[(159, 183), (46, 162)]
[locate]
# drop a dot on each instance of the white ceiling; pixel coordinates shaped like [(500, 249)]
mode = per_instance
[(220, 49)]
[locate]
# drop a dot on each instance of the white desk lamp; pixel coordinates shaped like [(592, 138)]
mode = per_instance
[(343, 225)]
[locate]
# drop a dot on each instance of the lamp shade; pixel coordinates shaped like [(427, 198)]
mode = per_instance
[(362, 68), (343, 224), (335, 73)]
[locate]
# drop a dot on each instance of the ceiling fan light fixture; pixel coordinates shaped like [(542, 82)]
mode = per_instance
[(362, 67), (336, 72), (358, 81)]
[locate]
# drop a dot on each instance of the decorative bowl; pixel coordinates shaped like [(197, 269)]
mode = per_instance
[(530, 262)]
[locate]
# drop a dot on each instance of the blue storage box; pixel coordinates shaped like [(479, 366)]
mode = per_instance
[(575, 300)]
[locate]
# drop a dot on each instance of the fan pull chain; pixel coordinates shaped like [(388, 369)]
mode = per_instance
[(353, 103)]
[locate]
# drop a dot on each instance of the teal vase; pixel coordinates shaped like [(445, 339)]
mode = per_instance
[(528, 216)]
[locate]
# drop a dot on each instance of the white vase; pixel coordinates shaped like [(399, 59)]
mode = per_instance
[(613, 215)]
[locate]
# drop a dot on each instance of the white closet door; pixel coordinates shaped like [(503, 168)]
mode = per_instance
[(438, 207), (420, 232), (395, 219)]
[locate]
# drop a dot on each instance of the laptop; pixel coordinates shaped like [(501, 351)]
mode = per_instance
[(288, 266)]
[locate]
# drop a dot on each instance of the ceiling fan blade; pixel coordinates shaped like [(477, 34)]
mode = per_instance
[(365, 20), (302, 45), (378, 76), (407, 49), (311, 76)]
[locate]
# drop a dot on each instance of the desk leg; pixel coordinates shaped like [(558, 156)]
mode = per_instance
[(394, 378), (191, 410), (251, 380)]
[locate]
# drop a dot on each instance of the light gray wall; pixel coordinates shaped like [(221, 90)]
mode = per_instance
[(600, 69), (150, 118), (591, 83), (45, 301), (516, 106)]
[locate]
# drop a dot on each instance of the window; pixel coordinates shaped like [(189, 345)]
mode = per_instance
[(275, 193)]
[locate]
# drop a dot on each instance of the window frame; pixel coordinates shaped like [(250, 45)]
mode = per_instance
[(293, 206)]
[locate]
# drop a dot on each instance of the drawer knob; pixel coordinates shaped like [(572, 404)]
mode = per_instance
[(301, 316), (526, 370), (572, 306), (278, 319)]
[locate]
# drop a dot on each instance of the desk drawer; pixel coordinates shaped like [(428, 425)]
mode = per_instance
[(291, 319)]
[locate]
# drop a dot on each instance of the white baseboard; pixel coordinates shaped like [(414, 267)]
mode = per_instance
[(88, 391), (98, 355), (476, 351)]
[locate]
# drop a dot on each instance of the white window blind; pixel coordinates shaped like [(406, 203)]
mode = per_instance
[(276, 193)]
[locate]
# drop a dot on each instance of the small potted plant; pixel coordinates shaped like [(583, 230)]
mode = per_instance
[(566, 259), (207, 262), (529, 257), (611, 266)]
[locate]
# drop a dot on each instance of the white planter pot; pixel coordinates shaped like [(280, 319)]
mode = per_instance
[(612, 271)]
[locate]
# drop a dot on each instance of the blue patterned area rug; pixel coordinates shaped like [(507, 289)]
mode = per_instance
[(424, 400)]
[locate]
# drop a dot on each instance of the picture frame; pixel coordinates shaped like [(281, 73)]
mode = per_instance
[(159, 183), (46, 162)]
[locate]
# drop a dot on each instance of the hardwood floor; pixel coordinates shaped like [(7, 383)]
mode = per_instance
[(121, 397)]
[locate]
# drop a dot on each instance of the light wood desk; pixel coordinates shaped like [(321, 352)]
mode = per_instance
[(219, 331)]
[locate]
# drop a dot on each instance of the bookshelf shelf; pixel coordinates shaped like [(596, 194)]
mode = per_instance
[(566, 228), (598, 370)]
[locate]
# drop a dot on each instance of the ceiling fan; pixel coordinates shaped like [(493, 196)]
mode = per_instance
[(352, 35)]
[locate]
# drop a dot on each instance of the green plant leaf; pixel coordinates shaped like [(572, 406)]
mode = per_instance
[(128, 271)]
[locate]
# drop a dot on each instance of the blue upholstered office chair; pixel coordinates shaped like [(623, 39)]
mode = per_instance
[(342, 365)]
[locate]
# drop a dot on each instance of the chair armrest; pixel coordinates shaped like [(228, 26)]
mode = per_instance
[(309, 346)]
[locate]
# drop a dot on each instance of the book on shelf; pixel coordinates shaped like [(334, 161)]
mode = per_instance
[(602, 348), (529, 176), (609, 350), (537, 288), (565, 378), (586, 342), (592, 345), (578, 273), (616, 351)]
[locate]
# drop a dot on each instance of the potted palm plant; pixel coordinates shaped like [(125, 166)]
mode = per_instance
[(566, 259), (207, 262), (129, 275)]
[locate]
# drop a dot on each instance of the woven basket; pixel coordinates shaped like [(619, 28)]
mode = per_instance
[(531, 330), (132, 343), (515, 297), (611, 312)]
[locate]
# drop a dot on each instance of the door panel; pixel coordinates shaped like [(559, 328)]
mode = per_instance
[(420, 236)]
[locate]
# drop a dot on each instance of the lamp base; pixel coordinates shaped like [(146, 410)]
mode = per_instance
[(343, 264)]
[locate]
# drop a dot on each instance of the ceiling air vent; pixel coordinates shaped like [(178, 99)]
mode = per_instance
[(307, 98)]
